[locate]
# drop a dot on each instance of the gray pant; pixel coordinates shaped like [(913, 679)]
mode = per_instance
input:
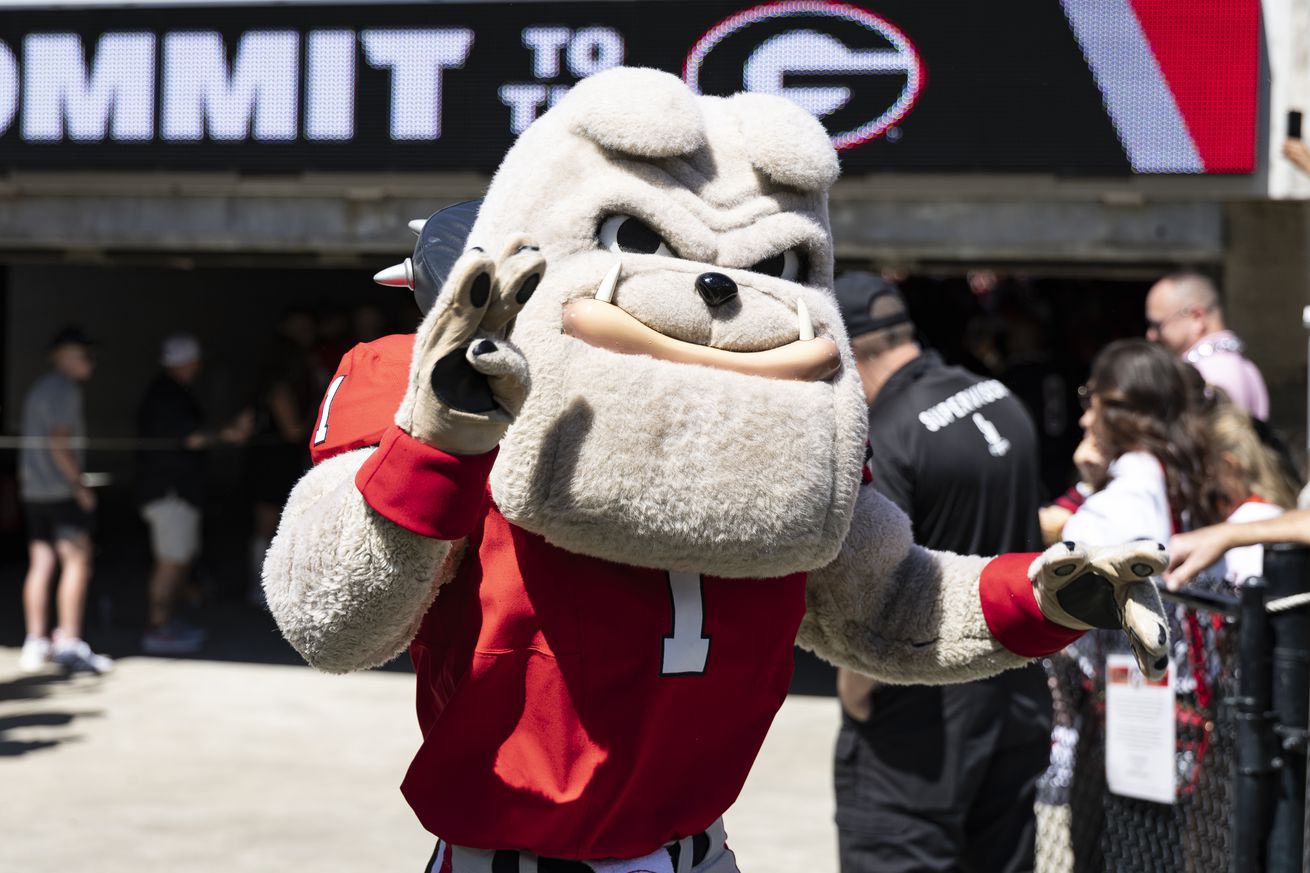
[(718, 859)]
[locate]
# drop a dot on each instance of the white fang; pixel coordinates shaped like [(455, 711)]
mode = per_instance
[(803, 323), (605, 291)]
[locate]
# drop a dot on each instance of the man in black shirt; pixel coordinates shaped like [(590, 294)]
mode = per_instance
[(941, 778), (171, 488)]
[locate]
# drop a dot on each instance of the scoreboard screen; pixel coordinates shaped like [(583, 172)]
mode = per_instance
[(1079, 87)]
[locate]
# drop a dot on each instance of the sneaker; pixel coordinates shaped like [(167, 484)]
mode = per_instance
[(35, 655), (75, 654), (174, 638)]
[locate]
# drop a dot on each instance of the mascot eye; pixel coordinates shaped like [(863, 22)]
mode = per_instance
[(789, 265), (623, 233)]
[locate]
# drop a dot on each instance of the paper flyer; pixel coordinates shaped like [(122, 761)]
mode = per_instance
[(1139, 731)]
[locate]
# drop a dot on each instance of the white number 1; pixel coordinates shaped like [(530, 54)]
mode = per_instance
[(687, 649), (320, 432)]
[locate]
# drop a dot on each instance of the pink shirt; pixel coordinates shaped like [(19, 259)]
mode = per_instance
[(1219, 359)]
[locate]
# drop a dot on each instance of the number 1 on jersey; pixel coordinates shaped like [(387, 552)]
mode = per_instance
[(687, 649), (320, 432)]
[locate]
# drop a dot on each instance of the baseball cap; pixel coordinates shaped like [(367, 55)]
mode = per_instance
[(70, 335), (857, 291), (179, 349)]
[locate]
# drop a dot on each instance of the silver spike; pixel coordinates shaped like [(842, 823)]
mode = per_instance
[(397, 276), (417, 226)]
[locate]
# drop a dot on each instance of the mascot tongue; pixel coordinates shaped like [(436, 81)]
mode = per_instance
[(608, 327)]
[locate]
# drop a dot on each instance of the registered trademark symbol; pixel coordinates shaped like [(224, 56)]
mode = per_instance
[(893, 134)]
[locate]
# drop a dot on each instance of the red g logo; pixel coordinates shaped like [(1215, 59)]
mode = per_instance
[(855, 71)]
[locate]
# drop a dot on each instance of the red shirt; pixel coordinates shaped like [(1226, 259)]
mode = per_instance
[(571, 706)]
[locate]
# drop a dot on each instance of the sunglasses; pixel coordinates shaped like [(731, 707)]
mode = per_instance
[(1158, 325)]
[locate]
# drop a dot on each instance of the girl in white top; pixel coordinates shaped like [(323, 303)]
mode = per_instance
[(1253, 485), (1145, 456), (1133, 505), (1144, 423)]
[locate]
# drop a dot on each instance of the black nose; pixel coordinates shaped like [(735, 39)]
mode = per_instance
[(715, 289)]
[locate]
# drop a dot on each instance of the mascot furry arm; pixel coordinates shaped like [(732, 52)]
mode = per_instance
[(644, 530), (901, 613)]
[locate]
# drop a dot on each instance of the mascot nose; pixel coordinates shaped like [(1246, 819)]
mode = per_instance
[(715, 289)]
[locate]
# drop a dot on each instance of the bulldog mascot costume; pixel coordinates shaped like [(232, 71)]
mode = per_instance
[(617, 473)]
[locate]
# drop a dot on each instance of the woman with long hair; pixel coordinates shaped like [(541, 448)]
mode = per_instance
[(1147, 455), (1146, 428)]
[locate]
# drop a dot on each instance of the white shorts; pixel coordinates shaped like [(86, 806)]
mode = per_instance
[(174, 529), (718, 858)]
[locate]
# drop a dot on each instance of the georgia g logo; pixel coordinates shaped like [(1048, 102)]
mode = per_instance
[(855, 71)]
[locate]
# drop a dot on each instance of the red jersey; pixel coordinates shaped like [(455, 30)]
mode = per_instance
[(570, 706)]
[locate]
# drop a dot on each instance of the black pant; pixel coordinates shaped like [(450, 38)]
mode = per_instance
[(942, 779)]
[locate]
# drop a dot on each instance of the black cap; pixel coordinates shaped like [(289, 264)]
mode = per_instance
[(438, 246), (70, 335), (856, 293)]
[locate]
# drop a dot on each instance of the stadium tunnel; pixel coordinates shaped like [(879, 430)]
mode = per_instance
[(273, 159)]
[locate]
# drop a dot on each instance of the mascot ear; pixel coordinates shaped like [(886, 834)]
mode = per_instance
[(636, 111), (784, 142)]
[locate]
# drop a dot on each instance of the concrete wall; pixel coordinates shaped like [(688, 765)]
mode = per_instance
[(1266, 280), (1027, 230)]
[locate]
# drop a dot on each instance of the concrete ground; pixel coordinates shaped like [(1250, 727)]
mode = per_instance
[(193, 766)]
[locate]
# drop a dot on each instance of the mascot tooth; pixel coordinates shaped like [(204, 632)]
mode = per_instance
[(616, 474)]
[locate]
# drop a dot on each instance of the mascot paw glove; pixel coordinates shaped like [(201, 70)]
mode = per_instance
[(466, 380), (1085, 587)]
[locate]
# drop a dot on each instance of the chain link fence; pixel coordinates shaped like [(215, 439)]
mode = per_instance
[(1084, 828)]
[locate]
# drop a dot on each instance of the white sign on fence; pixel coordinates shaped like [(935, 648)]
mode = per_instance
[(1139, 731)]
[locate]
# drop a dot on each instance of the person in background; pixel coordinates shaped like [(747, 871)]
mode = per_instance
[(1183, 314), (287, 398), (1253, 486), (1145, 423), (1192, 552), (1149, 469), (1295, 151), (1091, 468), (59, 509), (171, 485), (941, 778)]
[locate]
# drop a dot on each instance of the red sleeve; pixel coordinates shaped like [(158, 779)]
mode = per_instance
[(420, 488), (362, 398), (1011, 611), (1071, 499), (424, 489)]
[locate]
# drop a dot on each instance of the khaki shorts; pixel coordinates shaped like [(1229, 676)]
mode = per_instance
[(174, 529)]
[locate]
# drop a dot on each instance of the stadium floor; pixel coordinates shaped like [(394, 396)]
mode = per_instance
[(202, 766)]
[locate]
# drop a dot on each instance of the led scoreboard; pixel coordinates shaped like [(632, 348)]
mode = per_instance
[(1079, 87)]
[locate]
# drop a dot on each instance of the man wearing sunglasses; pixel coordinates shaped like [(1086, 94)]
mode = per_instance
[(1183, 315)]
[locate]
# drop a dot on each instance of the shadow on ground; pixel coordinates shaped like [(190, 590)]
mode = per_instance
[(30, 688)]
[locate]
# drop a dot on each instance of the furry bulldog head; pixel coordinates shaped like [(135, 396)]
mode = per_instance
[(693, 405)]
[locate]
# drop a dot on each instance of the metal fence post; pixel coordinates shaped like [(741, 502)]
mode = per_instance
[(1256, 742), (1287, 572)]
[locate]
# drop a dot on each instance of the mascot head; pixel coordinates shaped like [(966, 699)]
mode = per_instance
[(694, 405)]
